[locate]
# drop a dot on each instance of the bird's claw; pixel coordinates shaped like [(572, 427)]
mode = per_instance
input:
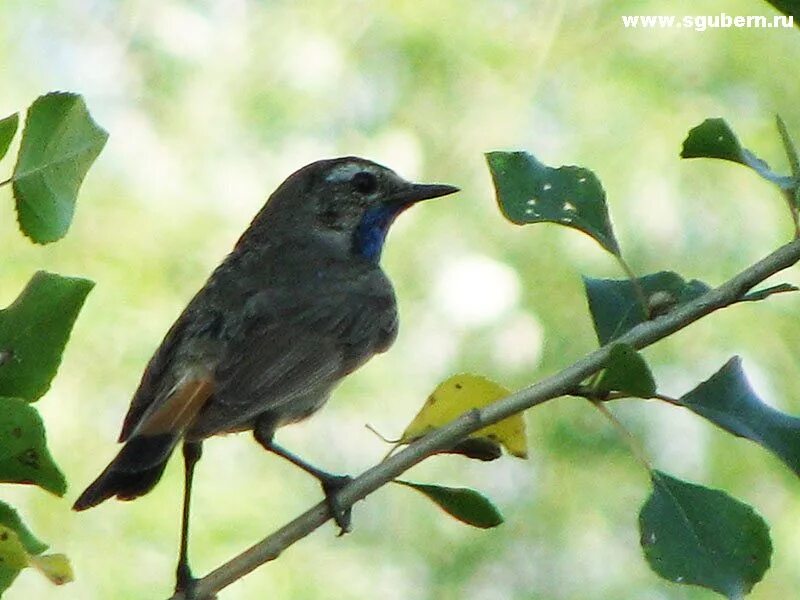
[(342, 516)]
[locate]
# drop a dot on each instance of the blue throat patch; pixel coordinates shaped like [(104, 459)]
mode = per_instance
[(371, 231)]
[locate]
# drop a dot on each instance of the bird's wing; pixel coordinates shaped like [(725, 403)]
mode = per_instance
[(157, 379), (293, 347)]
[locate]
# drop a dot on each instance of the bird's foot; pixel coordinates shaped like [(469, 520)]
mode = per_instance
[(331, 485)]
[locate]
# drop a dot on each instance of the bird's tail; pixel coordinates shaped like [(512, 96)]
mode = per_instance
[(133, 472)]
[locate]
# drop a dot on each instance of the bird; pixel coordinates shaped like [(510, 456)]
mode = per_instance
[(299, 303)]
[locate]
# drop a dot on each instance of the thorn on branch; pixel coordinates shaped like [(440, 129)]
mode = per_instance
[(766, 292)]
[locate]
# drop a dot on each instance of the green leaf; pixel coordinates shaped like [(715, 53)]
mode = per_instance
[(59, 144), (464, 504), (626, 371), (34, 330), (24, 457), (615, 306), (8, 127), (727, 400), (13, 557), (7, 577), (698, 536), (714, 138), (531, 192), (10, 518)]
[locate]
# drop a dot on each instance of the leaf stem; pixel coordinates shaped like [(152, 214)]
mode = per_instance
[(6, 182), (636, 447), (590, 394), (669, 400), (637, 287)]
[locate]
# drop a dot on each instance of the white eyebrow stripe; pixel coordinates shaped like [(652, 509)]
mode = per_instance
[(345, 172)]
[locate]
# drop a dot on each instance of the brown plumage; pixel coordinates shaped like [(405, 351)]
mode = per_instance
[(299, 303)]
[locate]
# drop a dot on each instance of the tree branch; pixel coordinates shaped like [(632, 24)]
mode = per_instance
[(560, 384)]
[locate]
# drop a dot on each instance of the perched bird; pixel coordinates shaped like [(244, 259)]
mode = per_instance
[(299, 303)]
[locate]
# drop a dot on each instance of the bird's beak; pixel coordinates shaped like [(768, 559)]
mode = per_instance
[(416, 192)]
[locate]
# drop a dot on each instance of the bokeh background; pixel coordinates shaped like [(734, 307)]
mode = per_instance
[(211, 103)]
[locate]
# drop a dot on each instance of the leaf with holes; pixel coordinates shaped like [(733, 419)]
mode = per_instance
[(627, 372), (466, 505), (714, 138), (694, 535), (531, 192), (34, 330), (8, 127), (24, 457), (727, 400), (615, 306), (456, 396), (59, 144)]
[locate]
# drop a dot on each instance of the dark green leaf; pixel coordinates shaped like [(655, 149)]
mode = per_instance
[(10, 518), (697, 536), (615, 306), (626, 371), (59, 144), (8, 127), (727, 400), (714, 138), (464, 504), (531, 192), (34, 330), (788, 7), (24, 457)]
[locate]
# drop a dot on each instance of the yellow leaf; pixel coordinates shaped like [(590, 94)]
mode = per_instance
[(56, 567), (459, 394), (12, 552)]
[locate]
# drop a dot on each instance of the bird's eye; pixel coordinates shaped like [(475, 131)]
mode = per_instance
[(364, 182)]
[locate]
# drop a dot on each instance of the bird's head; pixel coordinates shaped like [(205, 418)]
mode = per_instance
[(351, 199)]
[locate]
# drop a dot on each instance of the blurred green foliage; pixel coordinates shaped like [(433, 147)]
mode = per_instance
[(211, 104)]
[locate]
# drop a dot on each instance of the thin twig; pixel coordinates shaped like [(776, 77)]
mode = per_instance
[(638, 291), (669, 400), (591, 394), (560, 384), (633, 443)]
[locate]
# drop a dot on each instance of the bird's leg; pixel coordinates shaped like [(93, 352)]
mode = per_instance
[(184, 580), (331, 484)]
